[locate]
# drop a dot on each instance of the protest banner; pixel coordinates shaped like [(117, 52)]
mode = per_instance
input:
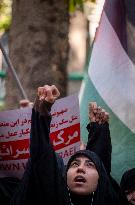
[(15, 134), (65, 126)]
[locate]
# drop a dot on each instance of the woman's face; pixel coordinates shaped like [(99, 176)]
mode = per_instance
[(82, 176), (131, 197)]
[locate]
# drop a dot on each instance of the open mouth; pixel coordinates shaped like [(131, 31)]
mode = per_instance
[(80, 179)]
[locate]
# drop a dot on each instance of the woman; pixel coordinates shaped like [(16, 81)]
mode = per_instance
[(127, 187), (85, 182)]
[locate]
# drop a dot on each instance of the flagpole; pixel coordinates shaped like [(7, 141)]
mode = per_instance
[(10, 66)]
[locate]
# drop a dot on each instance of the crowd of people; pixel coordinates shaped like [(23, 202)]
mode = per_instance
[(86, 180)]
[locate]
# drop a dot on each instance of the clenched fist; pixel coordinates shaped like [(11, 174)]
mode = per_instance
[(48, 93), (97, 114)]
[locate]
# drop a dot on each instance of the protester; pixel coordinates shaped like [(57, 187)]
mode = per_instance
[(8, 185), (127, 187), (86, 179), (99, 140), (25, 103)]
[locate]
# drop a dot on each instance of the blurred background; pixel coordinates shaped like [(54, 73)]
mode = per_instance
[(48, 42)]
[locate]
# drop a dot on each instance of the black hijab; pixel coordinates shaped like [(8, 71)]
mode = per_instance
[(104, 194), (8, 185), (127, 184)]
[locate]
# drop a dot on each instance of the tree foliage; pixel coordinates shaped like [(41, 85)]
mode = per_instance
[(5, 14), (77, 4)]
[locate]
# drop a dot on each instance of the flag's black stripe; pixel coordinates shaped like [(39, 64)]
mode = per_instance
[(130, 11), (115, 11)]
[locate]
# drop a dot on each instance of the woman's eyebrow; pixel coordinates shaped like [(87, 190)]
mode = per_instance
[(88, 160), (76, 160)]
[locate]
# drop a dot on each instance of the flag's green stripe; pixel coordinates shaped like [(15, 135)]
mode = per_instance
[(123, 140)]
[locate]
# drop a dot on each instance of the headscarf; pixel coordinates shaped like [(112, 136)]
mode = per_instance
[(104, 194), (8, 185), (127, 184)]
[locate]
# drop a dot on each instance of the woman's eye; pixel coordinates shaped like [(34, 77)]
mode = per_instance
[(90, 164), (74, 164)]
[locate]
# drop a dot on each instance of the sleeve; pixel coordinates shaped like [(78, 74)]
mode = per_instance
[(42, 181), (8, 185), (40, 130), (99, 141)]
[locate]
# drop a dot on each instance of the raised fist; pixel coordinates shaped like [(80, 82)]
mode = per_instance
[(97, 114), (48, 93)]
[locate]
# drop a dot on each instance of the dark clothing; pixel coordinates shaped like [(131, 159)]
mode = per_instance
[(61, 165), (99, 141), (127, 184), (128, 180), (8, 185), (104, 193), (81, 200), (43, 182)]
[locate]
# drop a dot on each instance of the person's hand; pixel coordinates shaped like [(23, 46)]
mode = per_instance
[(97, 114), (48, 93), (82, 145), (104, 116), (92, 111)]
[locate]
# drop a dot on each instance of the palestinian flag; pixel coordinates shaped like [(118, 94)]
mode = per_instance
[(110, 82)]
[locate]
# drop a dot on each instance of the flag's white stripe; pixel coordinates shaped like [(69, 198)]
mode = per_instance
[(113, 73), (80, 96)]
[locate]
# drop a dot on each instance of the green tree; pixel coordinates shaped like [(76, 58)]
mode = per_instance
[(5, 14)]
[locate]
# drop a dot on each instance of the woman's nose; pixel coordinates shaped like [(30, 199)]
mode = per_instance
[(81, 168)]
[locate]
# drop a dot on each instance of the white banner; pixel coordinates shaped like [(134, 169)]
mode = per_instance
[(15, 130)]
